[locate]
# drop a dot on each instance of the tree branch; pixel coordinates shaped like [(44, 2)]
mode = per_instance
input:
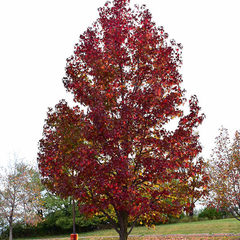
[(112, 222), (133, 225)]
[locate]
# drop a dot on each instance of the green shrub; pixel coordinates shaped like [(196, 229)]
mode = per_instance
[(212, 213), (56, 223)]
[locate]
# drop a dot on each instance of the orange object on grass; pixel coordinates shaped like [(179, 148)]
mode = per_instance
[(74, 237)]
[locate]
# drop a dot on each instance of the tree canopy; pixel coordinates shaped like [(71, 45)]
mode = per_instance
[(116, 155), (20, 196), (224, 169)]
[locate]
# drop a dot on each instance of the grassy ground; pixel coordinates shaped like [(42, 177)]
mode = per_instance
[(212, 227)]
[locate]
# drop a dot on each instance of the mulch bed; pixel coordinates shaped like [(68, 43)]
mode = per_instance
[(193, 236), (217, 236)]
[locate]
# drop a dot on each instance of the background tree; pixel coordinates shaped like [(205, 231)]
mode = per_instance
[(20, 196), (53, 203), (117, 156), (224, 169), (197, 186), (59, 215)]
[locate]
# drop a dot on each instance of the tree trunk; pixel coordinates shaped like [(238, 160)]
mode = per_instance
[(123, 224), (10, 231), (191, 211)]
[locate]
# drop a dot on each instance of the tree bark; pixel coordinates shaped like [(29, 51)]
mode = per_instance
[(191, 211), (10, 231), (123, 224)]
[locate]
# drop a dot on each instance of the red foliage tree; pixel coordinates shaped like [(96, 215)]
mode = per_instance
[(116, 153), (198, 184)]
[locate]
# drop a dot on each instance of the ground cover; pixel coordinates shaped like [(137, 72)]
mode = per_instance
[(212, 229)]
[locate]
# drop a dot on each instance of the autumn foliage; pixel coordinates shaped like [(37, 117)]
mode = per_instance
[(198, 184), (20, 196), (224, 170), (112, 151)]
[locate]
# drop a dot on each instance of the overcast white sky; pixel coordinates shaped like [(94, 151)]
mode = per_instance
[(37, 36)]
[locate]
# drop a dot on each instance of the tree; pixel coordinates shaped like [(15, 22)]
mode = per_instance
[(20, 196), (197, 187), (116, 155), (53, 203), (224, 169)]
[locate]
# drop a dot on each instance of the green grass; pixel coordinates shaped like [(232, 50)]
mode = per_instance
[(211, 226), (229, 225)]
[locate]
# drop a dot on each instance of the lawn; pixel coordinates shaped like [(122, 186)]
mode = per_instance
[(209, 227)]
